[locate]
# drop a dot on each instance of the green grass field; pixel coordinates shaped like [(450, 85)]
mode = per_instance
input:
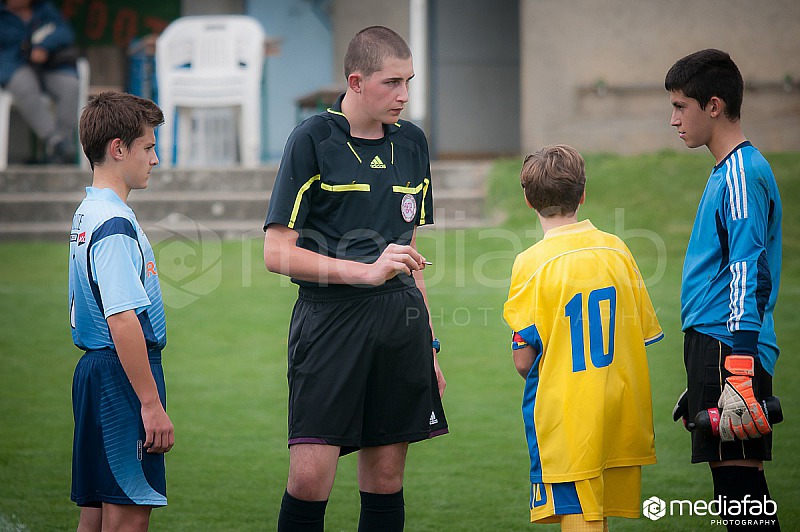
[(226, 368)]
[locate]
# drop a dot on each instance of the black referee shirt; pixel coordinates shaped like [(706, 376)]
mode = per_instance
[(347, 197)]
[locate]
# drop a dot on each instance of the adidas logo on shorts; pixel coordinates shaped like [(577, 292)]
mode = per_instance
[(433, 420)]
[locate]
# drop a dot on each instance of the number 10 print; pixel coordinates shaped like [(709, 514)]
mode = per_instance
[(600, 354)]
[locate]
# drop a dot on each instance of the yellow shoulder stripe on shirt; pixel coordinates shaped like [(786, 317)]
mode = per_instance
[(299, 199), (407, 190), (425, 184), (359, 187)]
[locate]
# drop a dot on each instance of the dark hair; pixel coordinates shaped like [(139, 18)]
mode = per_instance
[(554, 179), (705, 74), (371, 47), (111, 115)]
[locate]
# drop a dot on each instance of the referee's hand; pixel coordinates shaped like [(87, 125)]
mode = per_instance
[(394, 260)]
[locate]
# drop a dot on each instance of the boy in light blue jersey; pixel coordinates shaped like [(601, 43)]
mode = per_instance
[(730, 282), (117, 316)]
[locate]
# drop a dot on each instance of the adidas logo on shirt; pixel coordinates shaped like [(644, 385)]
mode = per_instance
[(377, 163)]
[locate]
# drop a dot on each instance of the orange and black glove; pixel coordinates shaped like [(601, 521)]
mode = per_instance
[(742, 415)]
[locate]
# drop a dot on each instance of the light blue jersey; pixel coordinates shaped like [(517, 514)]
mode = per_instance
[(732, 269), (111, 269)]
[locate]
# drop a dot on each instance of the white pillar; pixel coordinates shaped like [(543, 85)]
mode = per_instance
[(418, 42)]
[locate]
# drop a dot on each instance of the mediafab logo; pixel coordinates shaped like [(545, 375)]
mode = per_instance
[(747, 511), (654, 508)]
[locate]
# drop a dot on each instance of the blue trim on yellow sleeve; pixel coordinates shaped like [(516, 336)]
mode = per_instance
[(530, 335), (654, 339)]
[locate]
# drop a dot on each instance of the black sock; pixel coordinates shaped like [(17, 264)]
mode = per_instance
[(301, 516), (732, 483), (382, 513)]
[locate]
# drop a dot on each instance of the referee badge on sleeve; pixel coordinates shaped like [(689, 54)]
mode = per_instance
[(408, 207)]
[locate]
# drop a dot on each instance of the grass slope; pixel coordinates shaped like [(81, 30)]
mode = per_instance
[(226, 367)]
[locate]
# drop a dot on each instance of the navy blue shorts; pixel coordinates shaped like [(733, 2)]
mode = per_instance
[(109, 463), (361, 368)]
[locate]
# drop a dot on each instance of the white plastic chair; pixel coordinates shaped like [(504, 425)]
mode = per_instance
[(208, 62), (6, 100)]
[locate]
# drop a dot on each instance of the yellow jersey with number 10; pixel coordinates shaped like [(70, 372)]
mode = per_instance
[(577, 298)]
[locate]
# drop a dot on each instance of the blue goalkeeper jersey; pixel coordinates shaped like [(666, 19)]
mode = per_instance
[(111, 269), (732, 268)]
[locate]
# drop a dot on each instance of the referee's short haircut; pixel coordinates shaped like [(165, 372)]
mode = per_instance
[(111, 115), (705, 74), (371, 47), (554, 179)]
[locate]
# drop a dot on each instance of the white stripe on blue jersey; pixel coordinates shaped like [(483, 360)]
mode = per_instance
[(743, 177), (738, 293), (731, 273), (737, 185)]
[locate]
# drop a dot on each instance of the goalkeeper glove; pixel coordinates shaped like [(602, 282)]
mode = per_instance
[(682, 409), (742, 415)]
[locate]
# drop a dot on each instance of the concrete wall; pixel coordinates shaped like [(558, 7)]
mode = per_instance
[(569, 45), (475, 89), (351, 16), (302, 65), (473, 69)]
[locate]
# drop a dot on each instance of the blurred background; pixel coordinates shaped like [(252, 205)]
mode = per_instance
[(493, 78)]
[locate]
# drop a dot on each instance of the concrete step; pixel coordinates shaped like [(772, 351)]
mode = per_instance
[(460, 174), (147, 204), (46, 215), (38, 202), (204, 205), (52, 178)]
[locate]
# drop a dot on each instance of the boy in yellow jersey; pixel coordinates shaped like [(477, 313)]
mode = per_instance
[(581, 318)]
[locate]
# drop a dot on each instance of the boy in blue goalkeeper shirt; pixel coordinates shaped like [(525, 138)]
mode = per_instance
[(117, 316), (730, 280)]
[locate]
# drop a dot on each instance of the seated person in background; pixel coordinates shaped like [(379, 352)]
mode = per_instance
[(36, 58)]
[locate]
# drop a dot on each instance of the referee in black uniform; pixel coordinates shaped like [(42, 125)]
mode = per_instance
[(353, 185)]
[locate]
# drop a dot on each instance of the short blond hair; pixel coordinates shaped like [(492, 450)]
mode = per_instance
[(554, 179)]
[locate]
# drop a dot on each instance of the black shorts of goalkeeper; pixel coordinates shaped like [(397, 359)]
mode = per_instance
[(704, 358)]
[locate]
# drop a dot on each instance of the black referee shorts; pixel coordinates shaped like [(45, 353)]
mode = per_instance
[(704, 358), (361, 368)]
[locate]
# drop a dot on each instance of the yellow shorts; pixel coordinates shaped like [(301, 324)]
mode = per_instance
[(616, 492)]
